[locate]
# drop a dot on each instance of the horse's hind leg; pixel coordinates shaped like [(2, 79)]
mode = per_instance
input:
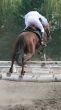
[(31, 52), (22, 71), (28, 57), (13, 56), (11, 68)]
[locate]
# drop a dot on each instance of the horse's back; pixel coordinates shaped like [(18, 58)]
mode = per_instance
[(30, 37)]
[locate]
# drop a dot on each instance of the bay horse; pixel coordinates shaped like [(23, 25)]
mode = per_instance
[(25, 47)]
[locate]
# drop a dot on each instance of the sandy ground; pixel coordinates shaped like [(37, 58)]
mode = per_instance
[(30, 95)]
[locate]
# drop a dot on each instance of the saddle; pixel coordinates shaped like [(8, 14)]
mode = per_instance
[(37, 31), (34, 30)]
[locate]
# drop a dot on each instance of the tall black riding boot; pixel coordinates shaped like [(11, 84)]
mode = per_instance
[(42, 39)]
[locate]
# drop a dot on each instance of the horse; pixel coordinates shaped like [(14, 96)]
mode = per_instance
[(25, 46)]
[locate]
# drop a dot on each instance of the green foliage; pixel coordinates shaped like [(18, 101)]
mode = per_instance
[(52, 10), (31, 5)]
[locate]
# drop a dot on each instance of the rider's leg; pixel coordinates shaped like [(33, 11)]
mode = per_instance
[(47, 29), (37, 23)]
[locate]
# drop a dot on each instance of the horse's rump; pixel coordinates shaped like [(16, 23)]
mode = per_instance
[(27, 44), (35, 30)]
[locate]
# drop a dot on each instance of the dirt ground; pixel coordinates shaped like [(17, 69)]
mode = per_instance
[(30, 95)]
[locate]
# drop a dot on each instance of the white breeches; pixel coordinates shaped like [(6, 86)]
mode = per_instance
[(35, 22)]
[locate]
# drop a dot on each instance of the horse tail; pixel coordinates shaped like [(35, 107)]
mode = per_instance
[(20, 50)]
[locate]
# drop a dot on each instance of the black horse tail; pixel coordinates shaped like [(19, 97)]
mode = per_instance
[(20, 50)]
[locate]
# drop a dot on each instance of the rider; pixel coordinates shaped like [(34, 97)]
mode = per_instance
[(36, 19)]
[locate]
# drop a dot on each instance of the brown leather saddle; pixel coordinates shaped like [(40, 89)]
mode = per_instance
[(34, 30)]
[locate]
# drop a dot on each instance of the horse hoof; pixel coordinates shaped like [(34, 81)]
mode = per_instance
[(9, 74), (43, 64), (20, 76), (22, 73)]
